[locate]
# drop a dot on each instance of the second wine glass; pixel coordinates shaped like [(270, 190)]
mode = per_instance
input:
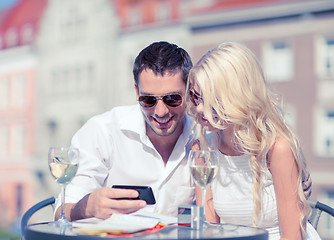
[(63, 164), (204, 168)]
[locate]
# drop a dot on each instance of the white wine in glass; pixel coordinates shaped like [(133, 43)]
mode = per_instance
[(204, 168), (63, 164)]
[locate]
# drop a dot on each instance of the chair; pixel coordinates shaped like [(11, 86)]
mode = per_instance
[(27, 215), (317, 209)]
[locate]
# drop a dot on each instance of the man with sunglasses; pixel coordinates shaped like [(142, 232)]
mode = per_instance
[(145, 144)]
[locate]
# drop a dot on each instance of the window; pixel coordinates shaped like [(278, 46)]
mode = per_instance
[(325, 59), (3, 142), (324, 129), (58, 80), (19, 140), (20, 90), (19, 200), (134, 16), (4, 93), (12, 38), (27, 33), (52, 124), (278, 61), (74, 26), (129, 72), (88, 79), (290, 117), (77, 79), (164, 11), (71, 84), (66, 81), (326, 223)]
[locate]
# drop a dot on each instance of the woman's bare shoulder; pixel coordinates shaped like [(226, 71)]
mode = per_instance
[(280, 155)]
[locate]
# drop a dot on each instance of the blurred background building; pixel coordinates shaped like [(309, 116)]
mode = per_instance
[(63, 61)]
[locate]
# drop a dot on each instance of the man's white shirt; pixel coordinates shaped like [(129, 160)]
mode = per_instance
[(115, 150)]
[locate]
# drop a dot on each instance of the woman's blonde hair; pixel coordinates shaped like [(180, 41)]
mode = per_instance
[(233, 87)]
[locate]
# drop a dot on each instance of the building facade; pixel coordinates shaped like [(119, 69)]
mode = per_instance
[(18, 70), (76, 72)]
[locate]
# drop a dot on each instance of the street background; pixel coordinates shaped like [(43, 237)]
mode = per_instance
[(63, 61)]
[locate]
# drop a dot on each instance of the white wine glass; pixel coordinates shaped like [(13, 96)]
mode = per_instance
[(63, 165), (204, 168)]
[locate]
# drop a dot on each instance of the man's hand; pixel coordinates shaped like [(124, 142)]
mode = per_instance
[(105, 201), (102, 203)]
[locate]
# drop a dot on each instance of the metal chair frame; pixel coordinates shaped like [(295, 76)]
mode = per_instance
[(27, 215), (317, 209)]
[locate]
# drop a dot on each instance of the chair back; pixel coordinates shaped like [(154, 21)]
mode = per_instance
[(317, 209), (27, 215)]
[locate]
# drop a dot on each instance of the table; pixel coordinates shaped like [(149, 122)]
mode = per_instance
[(212, 231)]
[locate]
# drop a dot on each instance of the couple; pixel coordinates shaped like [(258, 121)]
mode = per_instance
[(261, 167)]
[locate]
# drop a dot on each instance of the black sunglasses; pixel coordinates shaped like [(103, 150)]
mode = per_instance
[(195, 97), (172, 100)]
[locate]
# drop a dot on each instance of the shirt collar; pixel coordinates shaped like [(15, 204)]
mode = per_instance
[(134, 121)]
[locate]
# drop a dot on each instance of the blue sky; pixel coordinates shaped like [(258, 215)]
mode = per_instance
[(7, 3)]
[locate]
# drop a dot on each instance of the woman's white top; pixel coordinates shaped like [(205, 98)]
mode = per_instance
[(233, 196)]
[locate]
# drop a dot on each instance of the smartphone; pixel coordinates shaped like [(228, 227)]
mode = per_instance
[(145, 192)]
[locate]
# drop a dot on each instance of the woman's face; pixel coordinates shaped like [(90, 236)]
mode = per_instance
[(197, 100)]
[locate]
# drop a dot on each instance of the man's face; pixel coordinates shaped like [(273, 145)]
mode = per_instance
[(162, 120)]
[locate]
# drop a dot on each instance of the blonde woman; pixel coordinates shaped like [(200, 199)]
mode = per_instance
[(261, 166)]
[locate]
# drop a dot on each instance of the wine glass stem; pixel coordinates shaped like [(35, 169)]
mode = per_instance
[(203, 199), (62, 216)]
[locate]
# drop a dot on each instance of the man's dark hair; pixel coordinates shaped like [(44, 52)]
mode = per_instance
[(162, 57)]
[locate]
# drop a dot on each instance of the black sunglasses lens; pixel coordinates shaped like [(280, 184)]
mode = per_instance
[(147, 101), (173, 100)]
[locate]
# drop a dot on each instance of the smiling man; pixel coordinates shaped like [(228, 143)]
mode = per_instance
[(144, 144), (163, 107)]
